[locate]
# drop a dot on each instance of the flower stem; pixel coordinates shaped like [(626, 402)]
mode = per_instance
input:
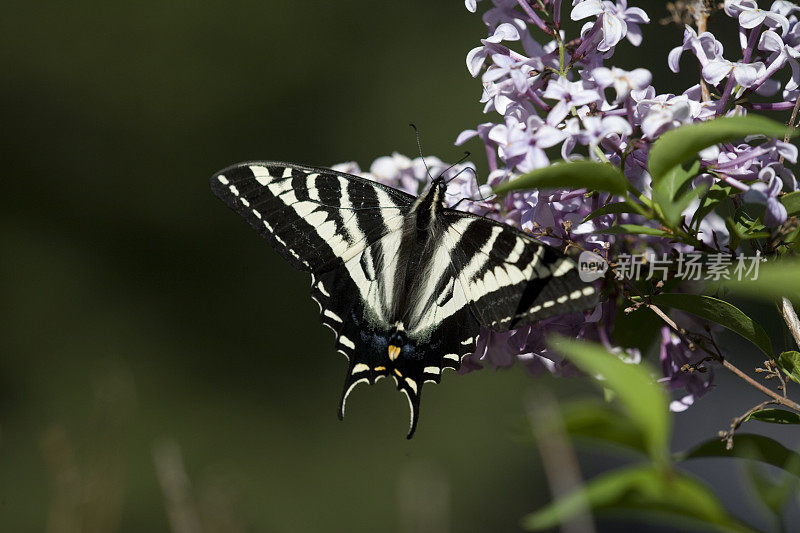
[(747, 53), (790, 124), (772, 394), (701, 13), (751, 44), (561, 66), (534, 17), (727, 364)]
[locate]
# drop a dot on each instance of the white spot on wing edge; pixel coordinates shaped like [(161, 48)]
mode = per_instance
[(321, 288), (432, 370), (344, 341), (412, 384), (222, 179), (360, 367), (410, 408), (452, 357), (330, 314), (348, 391)]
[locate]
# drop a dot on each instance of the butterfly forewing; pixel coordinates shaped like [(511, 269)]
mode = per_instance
[(315, 218)]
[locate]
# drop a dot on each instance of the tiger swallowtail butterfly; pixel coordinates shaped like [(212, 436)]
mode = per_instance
[(404, 282)]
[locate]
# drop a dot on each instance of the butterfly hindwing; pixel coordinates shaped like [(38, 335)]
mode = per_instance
[(510, 278)]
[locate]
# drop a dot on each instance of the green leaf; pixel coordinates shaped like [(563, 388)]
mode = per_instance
[(715, 195), (633, 229), (791, 202), (684, 143), (775, 416), (749, 226), (644, 401), (570, 175), (748, 446), (775, 279), (677, 177), (773, 493), (672, 209), (612, 208), (719, 312), (639, 488), (743, 232), (596, 420), (790, 364)]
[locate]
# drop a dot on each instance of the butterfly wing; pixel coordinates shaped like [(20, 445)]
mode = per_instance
[(316, 218), (509, 278), (346, 231)]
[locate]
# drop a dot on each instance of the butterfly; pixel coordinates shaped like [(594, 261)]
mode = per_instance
[(404, 282)]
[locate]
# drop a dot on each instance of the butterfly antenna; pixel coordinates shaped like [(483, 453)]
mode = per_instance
[(457, 174), (419, 147), (464, 157)]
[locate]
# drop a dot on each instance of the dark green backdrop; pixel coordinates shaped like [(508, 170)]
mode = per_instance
[(139, 311)]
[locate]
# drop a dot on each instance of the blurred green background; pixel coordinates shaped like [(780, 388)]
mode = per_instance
[(149, 339)]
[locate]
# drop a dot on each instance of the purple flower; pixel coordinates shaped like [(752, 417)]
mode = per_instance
[(674, 356), (568, 94), (549, 94), (705, 46), (597, 129), (477, 56), (784, 8), (663, 113), (618, 21), (482, 132), (751, 16), (766, 194), (623, 81), (522, 145), (505, 67), (745, 74), (408, 174), (782, 53)]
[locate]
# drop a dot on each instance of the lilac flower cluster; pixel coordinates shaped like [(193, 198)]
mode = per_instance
[(558, 97)]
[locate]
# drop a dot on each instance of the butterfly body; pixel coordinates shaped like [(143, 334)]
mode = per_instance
[(404, 282)]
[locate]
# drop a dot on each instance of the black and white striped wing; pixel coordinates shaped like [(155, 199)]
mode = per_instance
[(316, 218), (508, 278)]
